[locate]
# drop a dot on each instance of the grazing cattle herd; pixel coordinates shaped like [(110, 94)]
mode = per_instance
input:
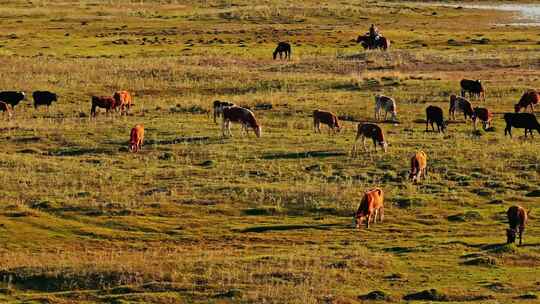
[(372, 203)]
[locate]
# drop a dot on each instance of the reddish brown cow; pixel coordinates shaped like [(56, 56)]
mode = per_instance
[(136, 139), (372, 204), (4, 107), (418, 166), (369, 130), (327, 118), (239, 115), (517, 219), (484, 115), (106, 102), (528, 99), (123, 100)]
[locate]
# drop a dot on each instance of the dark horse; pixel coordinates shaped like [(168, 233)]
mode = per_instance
[(283, 47), (367, 43)]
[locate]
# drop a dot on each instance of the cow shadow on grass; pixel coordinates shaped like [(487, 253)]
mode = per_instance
[(289, 227), (490, 247), (306, 154), (298, 211), (180, 140), (78, 151), (172, 141)]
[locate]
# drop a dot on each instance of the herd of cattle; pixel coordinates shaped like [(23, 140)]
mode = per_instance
[(372, 203)]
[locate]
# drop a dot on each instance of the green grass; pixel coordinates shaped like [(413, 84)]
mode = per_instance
[(198, 218)]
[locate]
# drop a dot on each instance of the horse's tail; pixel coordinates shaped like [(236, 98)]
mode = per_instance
[(275, 53)]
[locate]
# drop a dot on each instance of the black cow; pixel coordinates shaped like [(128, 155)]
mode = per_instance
[(282, 47), (219, 106), (525, 121), (12, 97), (473, 87), (435, 114), (44, 98)]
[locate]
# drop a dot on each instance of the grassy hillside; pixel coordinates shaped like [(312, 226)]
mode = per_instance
[(198, 218)]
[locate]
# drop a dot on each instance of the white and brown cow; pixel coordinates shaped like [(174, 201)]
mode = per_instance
[(459, 104), (387, 104)]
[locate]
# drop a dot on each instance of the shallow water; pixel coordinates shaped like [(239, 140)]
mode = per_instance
[(526, 14)]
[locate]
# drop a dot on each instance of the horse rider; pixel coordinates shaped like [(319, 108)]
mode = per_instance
[(373, 34)]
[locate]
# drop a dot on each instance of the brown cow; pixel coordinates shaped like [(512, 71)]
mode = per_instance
[(517, 219), (484, 115), (239, 115), (528, 99), (418, 166), (372, 204), (123, 100), (369, 130), (106, 102), (4, 107), (136, 138), (327, 118)]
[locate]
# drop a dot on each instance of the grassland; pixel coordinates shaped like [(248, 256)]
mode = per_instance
[(197, 218)]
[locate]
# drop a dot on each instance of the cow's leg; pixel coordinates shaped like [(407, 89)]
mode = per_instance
[(364, 142), (521, 235), (223, 127), (375, 216), (385, 115), (229, 123), (353, 151), (381, 214), (427, 124)]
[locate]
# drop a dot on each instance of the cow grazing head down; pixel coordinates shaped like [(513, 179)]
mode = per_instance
[(384, 145), (371, 206), (257, 130)]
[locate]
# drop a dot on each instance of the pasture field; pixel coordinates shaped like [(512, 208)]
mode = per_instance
[(198, 218)]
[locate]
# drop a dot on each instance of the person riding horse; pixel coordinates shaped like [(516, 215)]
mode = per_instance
[(373, 39), (373, 34)]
